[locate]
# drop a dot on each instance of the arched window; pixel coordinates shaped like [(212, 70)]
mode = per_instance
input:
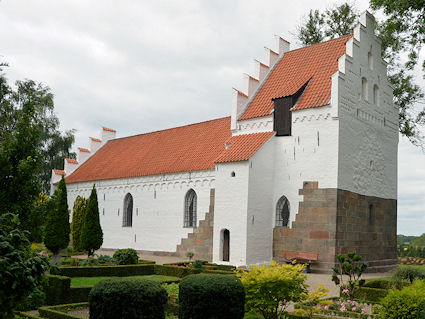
[(282, 212), (376, 95), (364, 89), (127, 216), (190, 209)]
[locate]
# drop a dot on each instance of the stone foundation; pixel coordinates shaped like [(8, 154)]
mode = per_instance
[(333, 221)]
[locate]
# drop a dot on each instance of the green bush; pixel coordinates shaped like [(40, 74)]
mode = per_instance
[(408, 273), (174, 271), (105, 271), (77, 222), (198, 264), (58, 290), (408, 303), (211, 296), (370, 294), (90, 261), (126, 256), (111, 299), (105, 259), (381, 283), (80, 294)]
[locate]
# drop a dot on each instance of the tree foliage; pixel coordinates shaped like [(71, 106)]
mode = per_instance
[(91, 232), (56, 230), (269, 289), (21, 270), (77, 222), (402, 34)]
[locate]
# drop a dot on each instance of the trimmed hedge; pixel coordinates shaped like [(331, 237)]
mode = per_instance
[(57, 290), (128, 298), (211, 296), (26, 315), (80, 294), (126, 256), (378, 283), (180, 272), (106, 271), (59, 312), (370, 294)]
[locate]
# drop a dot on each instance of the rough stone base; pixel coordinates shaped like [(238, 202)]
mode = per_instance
[(333, 221)]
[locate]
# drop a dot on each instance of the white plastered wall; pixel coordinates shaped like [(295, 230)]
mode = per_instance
[(158, 208), (230, 211), (368, 130)]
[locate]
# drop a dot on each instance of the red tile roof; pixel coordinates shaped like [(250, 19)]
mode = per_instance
[(317, 62), (71, 161), (84, 149), (242, 147), (59, 172), (180, 149), (108, 129), (95, 139)]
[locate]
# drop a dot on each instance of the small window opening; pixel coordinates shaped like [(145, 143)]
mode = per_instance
[(137, 211), (103, 211), (364, 89), (282, 212), (376, 95), (154, 194), (370, 60), (232, 174), (372, 214), (318, 139), (104, 196), (118, 211), (135, 237)]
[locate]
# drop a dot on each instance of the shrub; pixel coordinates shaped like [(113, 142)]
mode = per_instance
[(190, 255), (57, 290), (90, 261), (370, 294), (173, 298), (105, 259), (56, 230), (115, 270), (91, 233), (198, 264), (269, 289), (111, 299), (77, 222), (126, 256), (378, 283), (168, 270), (348, 272), (409, 273), (408, 303), (211, 296), (21, 270)]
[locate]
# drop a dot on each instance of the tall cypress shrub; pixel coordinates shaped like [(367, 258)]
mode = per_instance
[(56, 231), (77, 222), (91, 232)]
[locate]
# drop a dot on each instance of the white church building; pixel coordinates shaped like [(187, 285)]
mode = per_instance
[(305, 164)]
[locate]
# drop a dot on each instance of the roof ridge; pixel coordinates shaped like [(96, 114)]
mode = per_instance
[(316, 44), (171, 128)]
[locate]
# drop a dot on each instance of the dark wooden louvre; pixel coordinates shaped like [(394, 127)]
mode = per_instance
[(282, 115)]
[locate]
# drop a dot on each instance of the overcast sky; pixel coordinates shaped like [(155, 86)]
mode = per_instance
[(138, 66)]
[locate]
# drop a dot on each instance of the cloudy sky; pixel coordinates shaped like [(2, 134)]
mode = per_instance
[(138, 66)]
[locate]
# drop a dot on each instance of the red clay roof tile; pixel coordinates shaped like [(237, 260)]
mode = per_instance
[(242, 147), (317, 62), (108, 129), (59, 172), (82, 149), (71, 161), (180, 149), (95, 139)]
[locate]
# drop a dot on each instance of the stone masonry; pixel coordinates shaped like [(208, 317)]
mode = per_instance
[(200, 241), (333, 221)]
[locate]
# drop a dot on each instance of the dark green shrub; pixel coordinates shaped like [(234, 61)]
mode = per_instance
[(378, 283), (126, 256), (111, 299), (410, 273), (115, 270), (80, 294), (77, 222), (174, 271), (57, 229), (370, 294), (408, 303), (211, 296), (90, 261), (57, 290), (198, 264), (91, 233), (105, 259)]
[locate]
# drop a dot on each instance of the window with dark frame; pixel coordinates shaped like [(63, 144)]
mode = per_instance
[(282, 212), (127, 217), (190, 205)]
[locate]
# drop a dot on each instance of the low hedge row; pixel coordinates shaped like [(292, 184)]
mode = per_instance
[(57, 290), (106, 271), (371, 295), (80, 294), (381, 283), (59, 312), (180, 272), (25, 315)]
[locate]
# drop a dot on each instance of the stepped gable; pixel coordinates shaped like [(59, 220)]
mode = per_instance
[(187, 148), (316, 63)]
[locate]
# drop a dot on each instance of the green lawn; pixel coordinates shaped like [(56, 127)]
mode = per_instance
[(91, 281)]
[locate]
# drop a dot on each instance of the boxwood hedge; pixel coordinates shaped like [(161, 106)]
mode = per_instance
[(205, 296)]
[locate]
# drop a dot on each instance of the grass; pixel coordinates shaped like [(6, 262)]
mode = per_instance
[(91, 281)]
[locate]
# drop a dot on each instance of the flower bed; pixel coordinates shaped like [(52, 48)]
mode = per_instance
[(344, 308)]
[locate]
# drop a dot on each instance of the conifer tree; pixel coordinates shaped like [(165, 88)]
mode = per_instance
[(91, 232), (56, 231), (77, 222)]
